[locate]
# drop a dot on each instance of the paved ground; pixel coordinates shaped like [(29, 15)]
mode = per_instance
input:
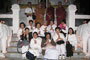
[(42, 59)]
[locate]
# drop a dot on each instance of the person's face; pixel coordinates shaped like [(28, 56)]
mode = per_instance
[(48, 36), (70, 31), (29, 4), (38, 25), (35, 35), (30, 23), (22, 26), (45, 24), (57, 31), (62, 23), (26, 31), (51, 23), (59, 4)]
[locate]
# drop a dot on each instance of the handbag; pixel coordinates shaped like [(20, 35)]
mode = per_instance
[(20, 44), (33, 16), (60, 42), (30, 56)]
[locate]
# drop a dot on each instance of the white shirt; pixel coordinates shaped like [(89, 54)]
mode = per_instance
[(72, 39), (29, 10), (55, 37), (1, 31), (43, 27), (19, 32), (41, 32), (31, 30), (36, 47), (51, 31)]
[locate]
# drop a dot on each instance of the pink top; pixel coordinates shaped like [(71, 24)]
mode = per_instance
[(62, 26)]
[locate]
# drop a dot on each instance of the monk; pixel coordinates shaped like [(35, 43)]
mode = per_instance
[(60, 13), (39, 12), (49, 13)]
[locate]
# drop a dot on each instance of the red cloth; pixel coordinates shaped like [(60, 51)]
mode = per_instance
[(49, 14), (60, 14)]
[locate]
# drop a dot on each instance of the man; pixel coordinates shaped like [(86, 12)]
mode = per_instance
[(60, 13), (49, 13), (29, 11)]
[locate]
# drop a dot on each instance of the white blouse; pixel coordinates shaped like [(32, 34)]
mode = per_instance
[(55, 37), (72, 39), (41, 32), (36, 47), (51, 31)]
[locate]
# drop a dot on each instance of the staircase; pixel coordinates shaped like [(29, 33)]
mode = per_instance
[(12, 50)]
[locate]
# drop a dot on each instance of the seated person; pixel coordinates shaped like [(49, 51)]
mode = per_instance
[(60, 45), (51, 28), (64, 28), (31, 26), (39, 30), (50, 48), (44, 27), (26, 35), (35, 45), (21, 30)]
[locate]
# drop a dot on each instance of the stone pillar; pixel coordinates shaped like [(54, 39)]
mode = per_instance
[(16, 10), (70, 19)]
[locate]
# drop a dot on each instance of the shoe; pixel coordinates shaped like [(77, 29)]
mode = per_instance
[(63, 56), (60, 57)]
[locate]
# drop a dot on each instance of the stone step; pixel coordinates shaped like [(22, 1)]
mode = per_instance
[(13, 50), (13, 55), (13, 43)]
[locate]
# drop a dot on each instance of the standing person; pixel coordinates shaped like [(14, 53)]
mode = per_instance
[(21, 30), (39, 12), (29, 11), (51, 28), (60, 13), (60, 45), (35, 45), (49, 13), (49, 48), (31, 26), (1, 37)]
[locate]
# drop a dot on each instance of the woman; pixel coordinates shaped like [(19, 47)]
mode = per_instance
[(49, 48), (39, 12), (60, 45), (71, 37), (26, 36), (39, 30), (21, 30), (35, 45), (51, 27)]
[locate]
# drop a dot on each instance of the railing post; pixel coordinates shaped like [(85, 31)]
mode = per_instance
[(70, 19), (15, 9)]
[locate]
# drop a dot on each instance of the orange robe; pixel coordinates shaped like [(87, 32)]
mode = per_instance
[(39, 12)]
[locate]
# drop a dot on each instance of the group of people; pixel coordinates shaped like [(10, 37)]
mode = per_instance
[(5, 38), (41, 37), (43, 13)]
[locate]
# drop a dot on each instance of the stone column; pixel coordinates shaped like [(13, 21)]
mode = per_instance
[(16, 10), (70, 19)]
